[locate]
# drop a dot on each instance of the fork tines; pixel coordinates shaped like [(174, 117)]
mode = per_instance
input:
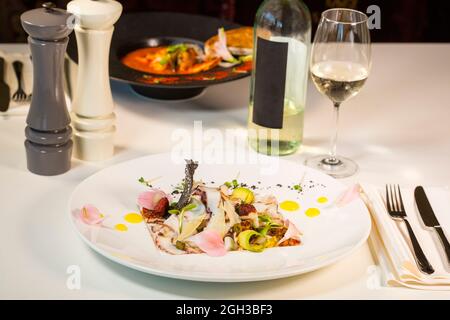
[(394, 201)]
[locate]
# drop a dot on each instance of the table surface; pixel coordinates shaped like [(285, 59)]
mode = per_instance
[(397, 130)]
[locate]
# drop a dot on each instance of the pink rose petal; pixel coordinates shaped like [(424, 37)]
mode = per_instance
[(291, 233), (210, 242), (149, 199), (348, 196), (91, 215)]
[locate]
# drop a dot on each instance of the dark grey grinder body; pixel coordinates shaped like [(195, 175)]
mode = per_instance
[(48, 133)]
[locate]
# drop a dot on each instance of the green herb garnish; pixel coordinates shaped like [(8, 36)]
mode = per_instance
[(265, 218), (180, 186), (265, 229), (189, 207), (246, 58), (233, 184), (181, 215), (176, 47), (164, 60), (145, 182)]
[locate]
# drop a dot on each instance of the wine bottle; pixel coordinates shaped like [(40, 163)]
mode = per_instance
[(282, 41)]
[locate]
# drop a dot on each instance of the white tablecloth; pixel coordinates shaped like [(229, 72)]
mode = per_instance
[(397, 129)]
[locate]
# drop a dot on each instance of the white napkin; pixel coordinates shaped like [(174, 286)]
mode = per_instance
[(391, 245), (17, 108)]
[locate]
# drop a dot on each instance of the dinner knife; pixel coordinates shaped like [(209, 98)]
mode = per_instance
[(429, 218), (4, 88)]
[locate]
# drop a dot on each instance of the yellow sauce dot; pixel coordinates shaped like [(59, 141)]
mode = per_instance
[(312, 212), (322, 200), (289, 205), (121, 227), (133, 218)]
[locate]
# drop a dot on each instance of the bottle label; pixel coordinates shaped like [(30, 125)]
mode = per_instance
[(270, 83)]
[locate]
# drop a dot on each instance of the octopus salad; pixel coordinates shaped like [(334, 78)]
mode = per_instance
[(196, 218)]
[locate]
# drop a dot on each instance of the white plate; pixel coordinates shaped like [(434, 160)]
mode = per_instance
[(328, 237)]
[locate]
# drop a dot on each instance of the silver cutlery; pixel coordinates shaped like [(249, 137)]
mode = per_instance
[(19, 95), (429, 218), (396, 209), (4, 88)]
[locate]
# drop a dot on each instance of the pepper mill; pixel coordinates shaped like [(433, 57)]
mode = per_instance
[(48, 133), (92, 106)]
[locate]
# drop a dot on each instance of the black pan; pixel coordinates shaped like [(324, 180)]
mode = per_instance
[(151, 29)]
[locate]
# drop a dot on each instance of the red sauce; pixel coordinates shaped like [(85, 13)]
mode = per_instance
[(154, 60), (244, 67), (210, 76), (221, 74), (139, 60), (162, 80)]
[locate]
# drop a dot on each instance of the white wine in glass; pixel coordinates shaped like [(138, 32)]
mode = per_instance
[(338, 80), (340, 65)]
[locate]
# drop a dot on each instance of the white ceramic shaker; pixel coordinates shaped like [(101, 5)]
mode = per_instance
[(93, 117)]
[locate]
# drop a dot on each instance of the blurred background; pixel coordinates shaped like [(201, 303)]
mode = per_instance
[(401, 20)]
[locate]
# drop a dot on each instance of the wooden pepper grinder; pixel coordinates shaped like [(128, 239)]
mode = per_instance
[(48, 134), (92, 108)]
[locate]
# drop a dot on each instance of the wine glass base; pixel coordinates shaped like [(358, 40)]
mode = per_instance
[(341, 168)]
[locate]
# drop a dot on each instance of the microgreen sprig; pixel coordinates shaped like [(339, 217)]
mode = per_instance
[(181, 212), (177, 47), (145, 182), (233, 184)]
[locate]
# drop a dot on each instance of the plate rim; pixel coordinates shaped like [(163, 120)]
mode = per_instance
[(217, 278)]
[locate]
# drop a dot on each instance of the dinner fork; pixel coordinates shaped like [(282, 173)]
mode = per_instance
[(396, 209), (19, 95)]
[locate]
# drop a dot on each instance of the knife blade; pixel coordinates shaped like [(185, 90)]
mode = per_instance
[(429, 218), (5, 94)]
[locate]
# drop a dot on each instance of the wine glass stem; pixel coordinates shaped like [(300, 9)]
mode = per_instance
[(332, 160)]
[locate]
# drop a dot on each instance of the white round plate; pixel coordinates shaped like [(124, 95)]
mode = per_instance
[(333, 234)]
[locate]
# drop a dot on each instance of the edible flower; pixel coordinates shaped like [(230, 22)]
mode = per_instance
[(210, 242), (149, 199), (291, 233), (348, 195), (91, 215)]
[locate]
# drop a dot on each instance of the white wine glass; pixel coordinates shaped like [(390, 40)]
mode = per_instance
[(340, 65)]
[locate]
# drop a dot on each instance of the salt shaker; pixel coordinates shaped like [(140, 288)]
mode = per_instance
[(92, 107), (48, 133)]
